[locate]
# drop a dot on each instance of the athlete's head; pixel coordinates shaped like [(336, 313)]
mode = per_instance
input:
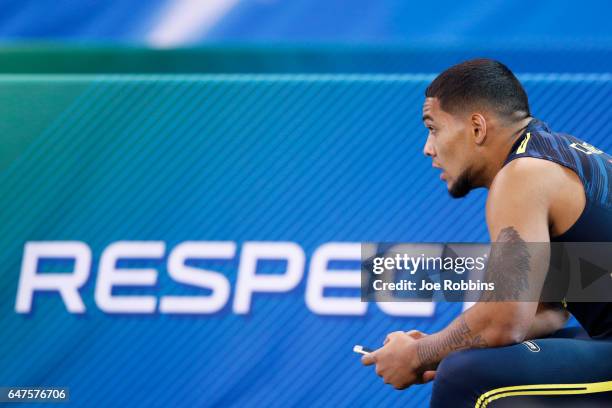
[(467, 109)]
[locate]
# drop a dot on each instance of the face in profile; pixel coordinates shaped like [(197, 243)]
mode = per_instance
[(448, 146)]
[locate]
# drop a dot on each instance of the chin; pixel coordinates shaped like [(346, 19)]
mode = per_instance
[(457, 194), (460, 188)]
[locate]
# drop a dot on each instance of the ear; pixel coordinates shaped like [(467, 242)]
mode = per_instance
[(479, 128)]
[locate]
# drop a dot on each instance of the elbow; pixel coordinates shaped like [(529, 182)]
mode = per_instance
[(563, 319), (508, 338), (506, 333), (505, 323), (508, 323)]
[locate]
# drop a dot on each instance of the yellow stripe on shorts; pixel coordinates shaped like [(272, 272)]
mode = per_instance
[(542, 389)]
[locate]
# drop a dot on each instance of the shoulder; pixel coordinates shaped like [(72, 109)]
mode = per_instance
[(523, 192), (539, 178)]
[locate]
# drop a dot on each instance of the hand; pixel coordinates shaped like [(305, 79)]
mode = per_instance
[(397, 362), (428, 375)]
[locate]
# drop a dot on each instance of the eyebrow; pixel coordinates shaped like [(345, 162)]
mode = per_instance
[(427, 117)]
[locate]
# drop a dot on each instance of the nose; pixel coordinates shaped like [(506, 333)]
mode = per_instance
[(428, 149)]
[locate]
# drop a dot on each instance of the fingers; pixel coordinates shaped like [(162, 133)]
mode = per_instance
[(426, 377), (416, 334), (395, 334), (391, 335), (429, 376), (369, 359)]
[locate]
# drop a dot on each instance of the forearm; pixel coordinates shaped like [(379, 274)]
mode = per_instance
[(504, 316), (477, 327)]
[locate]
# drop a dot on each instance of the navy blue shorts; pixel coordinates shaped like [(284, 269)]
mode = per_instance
[(567, 369)]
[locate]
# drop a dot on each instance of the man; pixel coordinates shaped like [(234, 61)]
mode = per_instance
[(543, 187)]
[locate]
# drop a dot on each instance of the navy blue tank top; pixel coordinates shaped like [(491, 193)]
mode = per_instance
[(594, 168)]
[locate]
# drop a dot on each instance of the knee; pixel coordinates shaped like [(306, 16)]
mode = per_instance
[(459, 378), (460, 364)]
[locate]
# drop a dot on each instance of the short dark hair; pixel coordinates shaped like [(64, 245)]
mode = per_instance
[(480, 82)]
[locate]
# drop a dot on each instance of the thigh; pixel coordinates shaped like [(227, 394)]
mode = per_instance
[(469, 377)]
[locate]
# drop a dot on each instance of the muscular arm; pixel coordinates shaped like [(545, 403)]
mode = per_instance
[(517, 213)]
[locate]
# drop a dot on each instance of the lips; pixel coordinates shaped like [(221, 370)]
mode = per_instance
[(443, 174)]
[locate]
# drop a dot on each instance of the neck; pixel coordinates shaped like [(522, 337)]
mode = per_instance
[(506, 137)]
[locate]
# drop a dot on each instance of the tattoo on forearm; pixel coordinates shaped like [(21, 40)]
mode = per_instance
[(458, 337), (508, 267)]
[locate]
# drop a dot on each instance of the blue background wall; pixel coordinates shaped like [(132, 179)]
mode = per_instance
[(328, 150), (306, 159)]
